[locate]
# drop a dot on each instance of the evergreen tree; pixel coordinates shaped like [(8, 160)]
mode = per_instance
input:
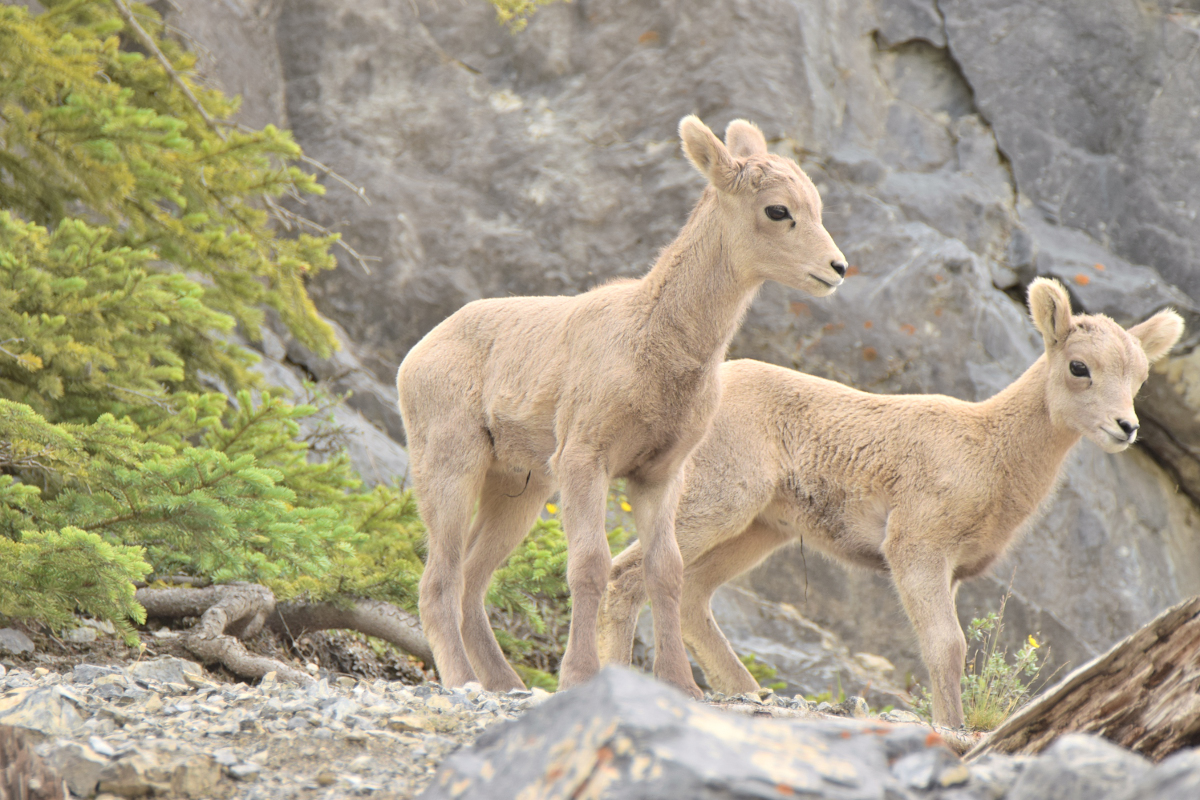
[(141, 231)]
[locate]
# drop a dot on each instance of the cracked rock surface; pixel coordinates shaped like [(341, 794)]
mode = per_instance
[(165, 728)]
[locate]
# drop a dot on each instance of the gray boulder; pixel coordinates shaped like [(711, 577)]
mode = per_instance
[(48, 710), (1080, 767), (623, 735), (14, 642), (78, 765), (1175, 778), (166, 669)]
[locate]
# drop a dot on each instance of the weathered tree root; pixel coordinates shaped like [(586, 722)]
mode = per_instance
[(1141, 694), (372, 617), (234, 611), (239, 608)]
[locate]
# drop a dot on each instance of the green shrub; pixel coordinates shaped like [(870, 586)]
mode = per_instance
[(993, 687), (140, 232), (763, 673)]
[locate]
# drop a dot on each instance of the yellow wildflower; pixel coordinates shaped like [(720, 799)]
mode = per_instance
[(553, 509)]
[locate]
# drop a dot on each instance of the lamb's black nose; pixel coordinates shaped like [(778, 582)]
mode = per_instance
[(1129, 428), (839, 267)]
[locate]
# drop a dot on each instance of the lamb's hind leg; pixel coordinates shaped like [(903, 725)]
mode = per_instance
[(508, 507), (721, 564), (624, 598), (448, 473)]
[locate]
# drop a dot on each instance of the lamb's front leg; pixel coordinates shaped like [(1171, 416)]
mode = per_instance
[(654, 514), (584, 489), (924, 583)]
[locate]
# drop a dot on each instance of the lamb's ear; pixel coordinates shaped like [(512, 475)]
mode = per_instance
[(1050, 307), (744, 139), (1159, 333), (707, 153)]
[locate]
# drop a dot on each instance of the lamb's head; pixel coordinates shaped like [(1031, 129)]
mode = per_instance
[(1095, 367), (769, 208)]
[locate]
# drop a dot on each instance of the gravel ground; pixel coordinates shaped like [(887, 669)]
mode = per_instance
[(165, 726)]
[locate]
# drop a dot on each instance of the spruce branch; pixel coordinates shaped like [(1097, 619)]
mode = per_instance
[(282, 215), (148, 42)]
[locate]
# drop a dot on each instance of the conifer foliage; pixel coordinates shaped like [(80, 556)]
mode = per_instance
[(139, 232)]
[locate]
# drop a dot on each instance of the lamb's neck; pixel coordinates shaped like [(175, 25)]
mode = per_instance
[(1029, 447), (694, 301)]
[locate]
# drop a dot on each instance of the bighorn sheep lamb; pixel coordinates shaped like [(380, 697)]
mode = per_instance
[(926, 487), (509, 399)]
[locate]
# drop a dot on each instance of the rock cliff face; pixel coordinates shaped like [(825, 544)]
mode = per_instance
[(961, 148)]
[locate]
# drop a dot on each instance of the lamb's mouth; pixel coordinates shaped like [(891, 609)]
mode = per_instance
[(827, 283), (1122, 440)]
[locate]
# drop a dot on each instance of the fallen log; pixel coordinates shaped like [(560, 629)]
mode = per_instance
[(372, 617), (228, 613), (232, 612), (1143, 694)]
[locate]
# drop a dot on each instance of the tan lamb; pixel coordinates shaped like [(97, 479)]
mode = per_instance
[(926, 487), (509, 400)]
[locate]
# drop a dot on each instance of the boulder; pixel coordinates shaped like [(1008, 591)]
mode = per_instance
[(166, 669), (623, 735), (1080, 767), (79, 765), (14, 642), (48, 710), (1090, 103), (1176, 778), (23, 773)]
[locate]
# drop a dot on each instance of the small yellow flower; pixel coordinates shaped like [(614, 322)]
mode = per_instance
[(1033, 642), (625, 506), (553, 509)]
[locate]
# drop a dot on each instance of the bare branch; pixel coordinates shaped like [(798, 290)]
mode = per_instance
[(148, 42), (359, 191), (289, 218), (158, 402)]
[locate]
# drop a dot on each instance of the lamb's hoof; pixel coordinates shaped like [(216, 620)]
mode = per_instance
[(569, 678), (687, 686)]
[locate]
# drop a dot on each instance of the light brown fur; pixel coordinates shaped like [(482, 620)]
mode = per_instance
[(509, 400), (926, 487)]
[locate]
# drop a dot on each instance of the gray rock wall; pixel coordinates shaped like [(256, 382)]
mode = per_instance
[(961, 147)]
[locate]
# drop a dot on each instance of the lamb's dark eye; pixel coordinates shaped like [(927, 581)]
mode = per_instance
[(778, 212), (1080, 370)]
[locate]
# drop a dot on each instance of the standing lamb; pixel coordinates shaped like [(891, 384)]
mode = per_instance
[(510, 399), (926, 487)]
